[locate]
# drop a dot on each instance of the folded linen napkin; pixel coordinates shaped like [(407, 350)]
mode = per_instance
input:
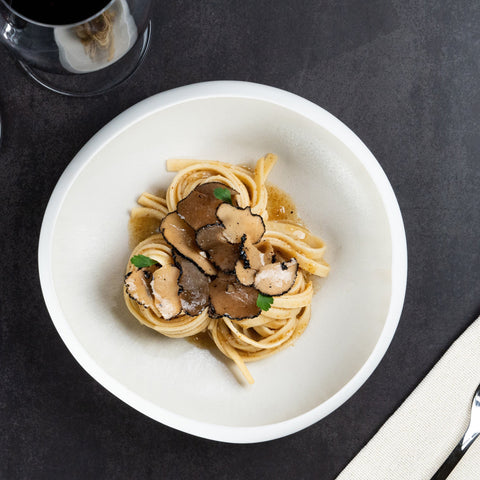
[(420, 435)]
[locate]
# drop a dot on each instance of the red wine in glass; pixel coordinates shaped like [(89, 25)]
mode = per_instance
[(58, 12)]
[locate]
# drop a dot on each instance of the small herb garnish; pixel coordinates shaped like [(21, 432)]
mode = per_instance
[(141, 261), (264, 302), (223, 194)]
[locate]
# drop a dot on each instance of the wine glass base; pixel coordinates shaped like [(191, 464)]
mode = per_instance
[(94, 83)]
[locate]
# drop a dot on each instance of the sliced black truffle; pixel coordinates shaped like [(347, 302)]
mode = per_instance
[(276, 278), (246, 276), (230, 298), (138, 285), (181, 236), (199, 207), (221, 253), (166, 291), (252, 259), (256, 256), (239, 222), (194, 291)]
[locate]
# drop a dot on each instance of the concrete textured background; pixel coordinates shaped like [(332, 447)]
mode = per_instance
[(403, 75)]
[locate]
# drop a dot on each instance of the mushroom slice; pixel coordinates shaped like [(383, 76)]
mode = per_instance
[(240, 221), (165, 291), (230, 298), (199, 207), (181, 236), (276, 278), (194, 292), (138, 285), (221, 253)]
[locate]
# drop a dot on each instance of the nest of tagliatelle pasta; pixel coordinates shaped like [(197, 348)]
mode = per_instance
[(217, 255)]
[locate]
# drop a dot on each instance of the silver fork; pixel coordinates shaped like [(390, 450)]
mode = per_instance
[(473, 431)]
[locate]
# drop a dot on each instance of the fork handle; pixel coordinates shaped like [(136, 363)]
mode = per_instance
[(451, 462)]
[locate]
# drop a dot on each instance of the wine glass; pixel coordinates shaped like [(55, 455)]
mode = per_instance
[(79, 48)]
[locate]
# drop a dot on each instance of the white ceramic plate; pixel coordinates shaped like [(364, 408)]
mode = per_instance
[(341, 193)]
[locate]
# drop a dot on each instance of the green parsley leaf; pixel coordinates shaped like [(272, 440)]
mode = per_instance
[(141, 261), (223, 194), (264, 302)]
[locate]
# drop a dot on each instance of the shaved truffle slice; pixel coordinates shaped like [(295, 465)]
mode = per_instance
[(240, 221), (246, 276), (267, 252), (230, 298), (194, 292), (256, 256), (220, 252), (277, 278), (137, 285), (181, 236), (165, 291), (199, 207), (252, 259)]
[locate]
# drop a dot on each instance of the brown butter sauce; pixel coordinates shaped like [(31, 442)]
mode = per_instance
[(141, 228), (280, 205), (202, 340)]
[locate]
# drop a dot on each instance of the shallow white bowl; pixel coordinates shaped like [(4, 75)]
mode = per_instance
[(341, 193)]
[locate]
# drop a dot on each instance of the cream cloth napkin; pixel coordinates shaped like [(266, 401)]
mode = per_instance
[(420, 435)]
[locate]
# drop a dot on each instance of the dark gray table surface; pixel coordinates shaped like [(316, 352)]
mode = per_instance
[(403, 75)]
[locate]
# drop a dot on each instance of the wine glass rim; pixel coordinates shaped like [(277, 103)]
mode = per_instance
[(53, 25)]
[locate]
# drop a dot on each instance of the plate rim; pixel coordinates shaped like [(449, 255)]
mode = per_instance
[(244, 90)]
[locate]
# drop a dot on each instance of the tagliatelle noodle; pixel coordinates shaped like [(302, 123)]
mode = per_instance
[(249, 339)]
